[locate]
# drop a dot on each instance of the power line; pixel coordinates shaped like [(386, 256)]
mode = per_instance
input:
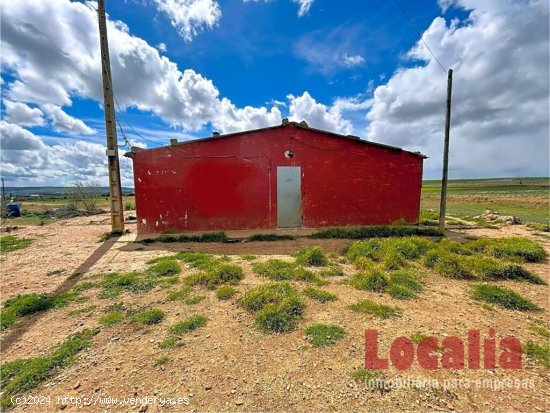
[(404, 12)]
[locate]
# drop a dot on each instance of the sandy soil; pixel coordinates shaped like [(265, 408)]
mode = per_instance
[(231, 366)]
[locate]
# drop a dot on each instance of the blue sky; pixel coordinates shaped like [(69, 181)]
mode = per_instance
[(182, 68)]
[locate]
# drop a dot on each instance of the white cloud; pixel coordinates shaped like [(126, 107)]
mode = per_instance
[(304, 6), (190, 17), (500, 118), (318, 115), (22, 114), (14, 137), (328, 51), (161, 47), (355, 60), (27, 160), (58, 41), (65, 123)]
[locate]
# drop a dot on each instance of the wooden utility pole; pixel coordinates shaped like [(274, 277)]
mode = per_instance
[(443, 204), (115, 190)]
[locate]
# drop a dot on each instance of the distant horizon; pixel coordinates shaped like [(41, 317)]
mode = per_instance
[(424, 180)]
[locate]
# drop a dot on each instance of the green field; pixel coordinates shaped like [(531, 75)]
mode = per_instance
[(526, 198)]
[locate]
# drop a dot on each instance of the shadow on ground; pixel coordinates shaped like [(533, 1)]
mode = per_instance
[(28, 322)]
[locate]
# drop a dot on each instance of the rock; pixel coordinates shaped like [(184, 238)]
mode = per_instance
[(239, 402), (76, 386), (62, 406), (207, 387), (450, 406), (143, 408)]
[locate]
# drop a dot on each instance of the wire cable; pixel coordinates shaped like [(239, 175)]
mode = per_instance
[(404, 12)]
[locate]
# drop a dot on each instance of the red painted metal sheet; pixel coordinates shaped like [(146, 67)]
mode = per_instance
[(230, 182)]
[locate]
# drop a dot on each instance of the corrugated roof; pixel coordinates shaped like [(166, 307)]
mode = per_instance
[(302, 125)]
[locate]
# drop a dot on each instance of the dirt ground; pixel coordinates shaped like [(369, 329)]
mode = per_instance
[(231, 366)]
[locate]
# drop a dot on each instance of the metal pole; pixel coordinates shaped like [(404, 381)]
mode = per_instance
[(115, 190), (443, 205)]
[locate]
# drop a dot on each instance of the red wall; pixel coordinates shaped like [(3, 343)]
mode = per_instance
[(231, 182)]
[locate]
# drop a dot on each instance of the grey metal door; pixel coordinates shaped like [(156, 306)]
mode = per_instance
[(289, 197)]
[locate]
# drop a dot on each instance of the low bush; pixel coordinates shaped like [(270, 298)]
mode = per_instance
[(195, 299), (134, 282), (189, 324), (312, 256), (170, 343), (206, 237), (502, 297), (225, 292), (515, 248), (165, 267), (22, 375), (542, 328), (320, 295), (11, 243), (26, 304), (215, 275), (379, 310), (333, 270), (112, 318), (150, 316), (276, 306), (380, 231), (373, 279), (279, 270), (321, 335), (538, 227), (538, 352), (270, 237), (180, 294)]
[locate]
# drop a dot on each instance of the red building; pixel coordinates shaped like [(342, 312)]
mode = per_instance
[(284, 176)]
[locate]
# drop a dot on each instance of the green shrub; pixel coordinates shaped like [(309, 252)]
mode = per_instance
[(180, 294), (170, 343), (22, 375), (320, 295), (503, 297), (25, 304), (540, 327), (189, 324), (11, 243), (165, 267), (276, 306), (198, 260), (538, 227), (312, 256), (538, 352), (114, 283), (515, 248), (417, 337), (379, 310), (218, 274), (406, 278), (279, 270), (206, 237), (225, 292), (333, 270), (248, 257), (401, 292), (150, 316), (195, 299), (370, 280), (321, 335), (375, 231), (112, 318), (270, 237)]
